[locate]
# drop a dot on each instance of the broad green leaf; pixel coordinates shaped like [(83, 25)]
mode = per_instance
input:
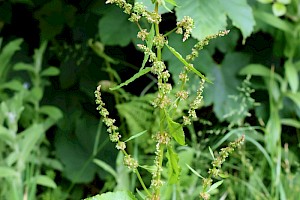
[(265, 1), (80, 142), (136, 135), (259, 70), (136, 76), (274, 21), (214, 186), (278, 9), (219, 92), (44, 181), (51, 111), (241, 15), (115, 29), (173, 166), (24, 66), (175, 130), (294, 97), (188, 65), (119, 195), (50, 71), (106, 167), (149, 43), (6, 54), (6, 172), (194, 171), (209, 16), (292, 75), (290, 122)]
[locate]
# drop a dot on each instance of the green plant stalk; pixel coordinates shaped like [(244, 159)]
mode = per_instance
[(142, 182)]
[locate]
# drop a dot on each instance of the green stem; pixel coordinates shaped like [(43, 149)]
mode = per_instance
[(158, 52), (171, 31), (142, 182)]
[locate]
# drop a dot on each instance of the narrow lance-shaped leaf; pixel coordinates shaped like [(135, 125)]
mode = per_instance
[(173, 166), (136, 76), (106, 167), (188, 65), (136, 135), (194, 171), (214, 186)]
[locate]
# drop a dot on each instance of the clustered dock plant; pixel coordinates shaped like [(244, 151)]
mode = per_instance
[(167, 103)]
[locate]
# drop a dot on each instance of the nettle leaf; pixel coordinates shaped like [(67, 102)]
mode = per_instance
[(173, 166), (175, 130), (119, 195), (218, 93), (241, 15), (209, 16), (80, 142), (115, 28)]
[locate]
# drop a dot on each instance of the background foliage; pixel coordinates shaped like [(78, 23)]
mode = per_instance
[(51, 137)]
